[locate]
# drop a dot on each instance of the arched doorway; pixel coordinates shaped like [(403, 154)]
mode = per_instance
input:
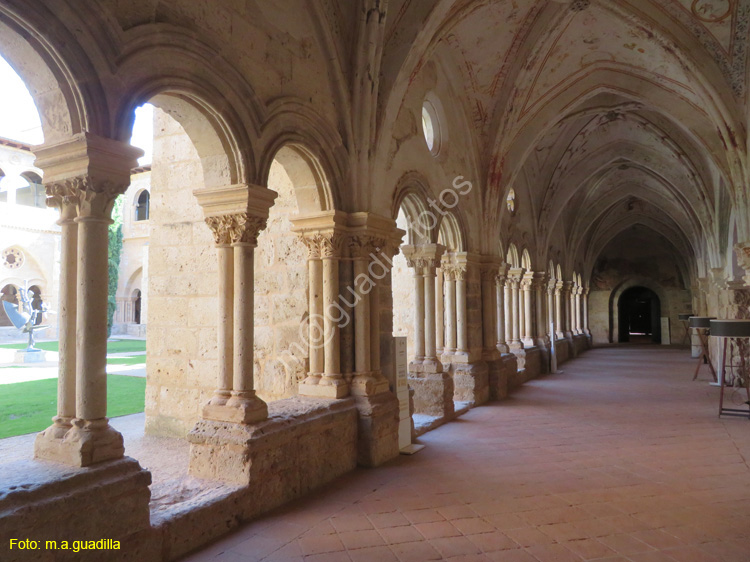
[(639, 313), (137, 306)]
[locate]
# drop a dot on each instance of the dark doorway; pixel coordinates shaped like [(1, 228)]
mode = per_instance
[(137, 306), (639, 313)]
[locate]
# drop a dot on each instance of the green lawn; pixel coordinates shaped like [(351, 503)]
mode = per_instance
[(132, 360), (113, 346), (26, 407)]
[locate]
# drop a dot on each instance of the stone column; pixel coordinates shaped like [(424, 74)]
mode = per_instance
[(243, 398), (430, 351), (577, 302), (66, 381), (500, 305), (433, 389), (508, 310), (586, 312), (551, 321), (540, 284), (462, 324), (440, 312), (315, 305), (234, 399), (83, 177), (450, 309), (419, 312), (332, 384), (225, 326), (528, 311), (359, 247), (559, 310), (514, 278), (368, 379), (567, 294), (489, 308)]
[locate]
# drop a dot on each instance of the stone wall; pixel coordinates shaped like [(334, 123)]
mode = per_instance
[(280, 297), (181, 362)]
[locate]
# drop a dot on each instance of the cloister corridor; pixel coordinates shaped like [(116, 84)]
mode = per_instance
[(619, 457)]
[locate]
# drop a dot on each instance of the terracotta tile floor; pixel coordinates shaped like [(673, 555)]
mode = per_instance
[(620, 457)]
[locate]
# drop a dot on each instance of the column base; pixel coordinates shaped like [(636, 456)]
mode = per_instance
[(324, 389), (368, 384), (377, 428), (519, 351), (427, 366), (503, 348), (433, 394), (238, 409), (471, 383), (505, 369), (86, 442)]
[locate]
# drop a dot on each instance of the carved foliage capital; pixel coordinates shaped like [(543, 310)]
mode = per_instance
[(92, 196), (238, 228), (362, 246), (331, 244)]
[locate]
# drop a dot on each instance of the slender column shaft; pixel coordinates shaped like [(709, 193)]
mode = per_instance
[(66, 382), (489, 307), (551, 313), (361, 321), (91, 336), (500, 313), (508, 311), (586, 311), (225, 328), (440, 313), (558, 312), (578, 311), (540, 320), (450, 313), (375, 328), (418, 314), (527, 313), (462, 327), (332, 363), (429, 320), (315, 269), (516, 312), (243, 324)]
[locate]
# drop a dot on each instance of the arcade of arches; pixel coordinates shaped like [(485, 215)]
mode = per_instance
[(499, 184)]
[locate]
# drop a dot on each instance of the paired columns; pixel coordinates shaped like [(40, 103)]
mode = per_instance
[(513, 318), (236, 237), (501, 306), (425, 260), (83, 177), (366, 243)]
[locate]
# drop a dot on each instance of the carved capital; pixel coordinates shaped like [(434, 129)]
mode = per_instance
[(362, 246), (331, 244), (312, 242), (489, 272), (238, 228), (91, 197)]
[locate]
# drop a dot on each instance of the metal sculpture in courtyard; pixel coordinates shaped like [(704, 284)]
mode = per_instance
[(26, 318)]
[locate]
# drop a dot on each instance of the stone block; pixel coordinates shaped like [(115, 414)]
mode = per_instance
[(377, 440), (471, 383), (433, 394), (303, 444), (47, 501)]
